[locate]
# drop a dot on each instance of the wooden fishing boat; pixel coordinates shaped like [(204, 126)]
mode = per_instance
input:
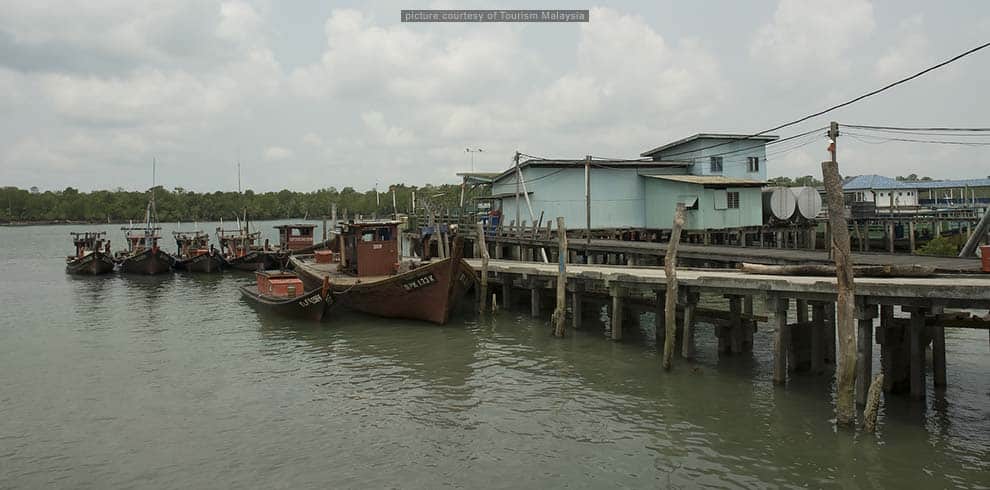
[(369, 277), (283, 292), (299, 239), (92, 254), (196, 253), (143, 255), (239, 250)]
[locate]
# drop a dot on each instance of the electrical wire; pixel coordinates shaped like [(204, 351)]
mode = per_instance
[(895, 128), (851, 101), (887, 139)]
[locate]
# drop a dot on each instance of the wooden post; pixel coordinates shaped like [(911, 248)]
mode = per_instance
[(917, 353), (660, 317), (577, 304), (687, 344), (560, 314), (506, 292), (938, 355), (873, 404), (911, 239), (782, 337), (817, 338), (890, 237), (845, 406), (748, 328), (534, 298), (670, 270), (864, 347), (974, 239), (483, 296), (735, 329), (617, 305)]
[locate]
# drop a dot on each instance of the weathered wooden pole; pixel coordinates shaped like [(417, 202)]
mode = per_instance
[(845, 373), (560, 314), (873, 404), (483, 296), (670, 270), (981, 231)]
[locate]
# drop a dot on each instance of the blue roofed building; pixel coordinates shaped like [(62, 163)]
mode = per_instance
[(901, 196)]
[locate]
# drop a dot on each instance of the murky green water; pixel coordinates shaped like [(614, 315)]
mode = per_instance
[(174, 382)]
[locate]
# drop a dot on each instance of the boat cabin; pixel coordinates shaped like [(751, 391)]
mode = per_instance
[(192, 243), (89, 241), (371, 248), (141, 237), (279, 284), (237, 243), (295, 236)]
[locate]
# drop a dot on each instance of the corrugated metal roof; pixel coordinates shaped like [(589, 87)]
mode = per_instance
[(713, 136), (611, 164), (719, 180), (866, 182)]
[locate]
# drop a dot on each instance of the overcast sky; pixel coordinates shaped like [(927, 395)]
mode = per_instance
[(312, 94)]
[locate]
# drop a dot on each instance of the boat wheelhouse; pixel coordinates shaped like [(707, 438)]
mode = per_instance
[(196, 253), (92, 254)]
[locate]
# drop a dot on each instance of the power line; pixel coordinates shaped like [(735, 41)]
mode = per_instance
[(851, 101), (887, 139), (895, 128)]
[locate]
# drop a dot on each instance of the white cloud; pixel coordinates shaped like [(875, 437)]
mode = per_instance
[(382, 133), (312, 139), (277, 153), (807, 38), (909, 51)]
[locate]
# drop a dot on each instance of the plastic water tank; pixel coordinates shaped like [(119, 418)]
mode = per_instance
[(809, 201), (779, 203)]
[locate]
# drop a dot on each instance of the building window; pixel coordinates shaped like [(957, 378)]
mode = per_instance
[(716, 164), (753, 163), (732, 200)]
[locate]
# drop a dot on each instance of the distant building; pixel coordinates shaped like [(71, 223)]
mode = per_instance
[(891, 195), (35, 190), (718, 177)]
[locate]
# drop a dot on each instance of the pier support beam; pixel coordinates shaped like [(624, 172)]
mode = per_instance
[(660, 317), (864, 348), (577, 305), (535, 296), (507, 292), (730, 338), (617, 294), (781, 341), (938, 355), (750, 327), (817, 338), (918, 341), (687, 336)]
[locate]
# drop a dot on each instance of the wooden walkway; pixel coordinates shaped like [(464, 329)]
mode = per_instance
[(734, 255)]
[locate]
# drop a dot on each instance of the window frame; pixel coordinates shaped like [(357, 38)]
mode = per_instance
[(753, 164), (732, 197), (714, 162)]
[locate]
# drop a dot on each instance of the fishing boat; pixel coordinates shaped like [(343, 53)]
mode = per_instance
[(92, 254), (283, 292), (367, 275), (143, 255), (299, 239), (196, 253), (240, 250)]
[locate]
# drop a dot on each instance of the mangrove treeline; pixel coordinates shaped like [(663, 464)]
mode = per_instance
[(21, 205)]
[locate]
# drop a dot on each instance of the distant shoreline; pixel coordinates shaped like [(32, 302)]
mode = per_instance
[(58, 222)]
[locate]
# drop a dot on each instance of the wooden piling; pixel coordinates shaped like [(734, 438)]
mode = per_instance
[(864, 348), (506, 291), (535, 290), (873, 404), (617, 311), (845, 406), (577, 305), (660, 316), (890, 237), (938, 355), (560, 314), (917, 332), (483, 286), (782, 338), (670, 270), (911, 239), (735, 324), (687, 329), (817, 338)]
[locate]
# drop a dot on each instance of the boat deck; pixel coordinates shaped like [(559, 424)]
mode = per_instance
[(337, 278)]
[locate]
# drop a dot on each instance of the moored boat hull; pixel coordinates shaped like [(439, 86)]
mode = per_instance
[(201, 263), (147, 262), (311, 305), (94, 263), (428, 293), (254, 260)]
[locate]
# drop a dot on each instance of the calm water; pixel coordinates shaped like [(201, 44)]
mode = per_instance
[(174, 382)]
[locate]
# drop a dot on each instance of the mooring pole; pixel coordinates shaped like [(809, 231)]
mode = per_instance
[(845, 406), (670, 270), (483, 293), (560, 314)]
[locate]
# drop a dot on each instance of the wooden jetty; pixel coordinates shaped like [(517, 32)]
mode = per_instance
[(524, 244), (807, 344)]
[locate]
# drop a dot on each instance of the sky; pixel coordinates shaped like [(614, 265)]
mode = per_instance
[(315, 94)]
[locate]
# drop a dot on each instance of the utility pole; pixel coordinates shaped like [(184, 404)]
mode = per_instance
[(587, 203), (518, 180), (472, 152)]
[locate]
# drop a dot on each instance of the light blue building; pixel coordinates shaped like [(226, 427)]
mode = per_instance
[(718, 177)]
